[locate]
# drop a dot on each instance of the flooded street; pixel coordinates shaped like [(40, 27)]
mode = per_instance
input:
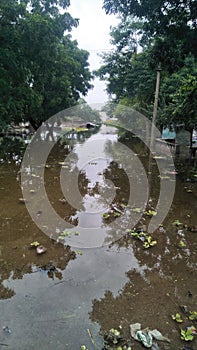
[(97, 274)]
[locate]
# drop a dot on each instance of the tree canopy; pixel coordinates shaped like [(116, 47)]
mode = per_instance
[(152, 34), (42, 70)]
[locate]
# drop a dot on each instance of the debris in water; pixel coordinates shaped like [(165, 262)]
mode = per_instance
[(146, 336), (184, 308), (6, 329), (40, 250), (22, 200)]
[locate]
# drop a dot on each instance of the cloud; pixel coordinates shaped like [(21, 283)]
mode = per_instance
[(92, 34)]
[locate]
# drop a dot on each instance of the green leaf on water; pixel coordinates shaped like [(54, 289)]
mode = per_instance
[(123, 205), (187, 335), (106, 215), (66, 233), (77, 233), (150, 212), (116, 214), (182, 244), (79, 252), (83, 347), (193, 315), (61, 237), (177, 318), (149, 242), (152, 243), (177, 223), (146, 245), (137, 210), (34, 244), (159, 157)]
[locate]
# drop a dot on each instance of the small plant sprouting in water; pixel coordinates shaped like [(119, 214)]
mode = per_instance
[(143, 237), (150, 212), (177, 318), (182, 244), (193, 315), (177, 223), (187, 335), (83, 347), (116, 214), (34, 244), (106, 215), (149, 242), (78, 252)]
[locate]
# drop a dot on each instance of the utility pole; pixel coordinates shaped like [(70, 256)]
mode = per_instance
[(152, 141)]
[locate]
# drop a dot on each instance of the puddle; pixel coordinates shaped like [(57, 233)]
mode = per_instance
[(117, 281)]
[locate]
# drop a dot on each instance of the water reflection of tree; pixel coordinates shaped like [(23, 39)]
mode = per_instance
[(151, 297), (17, 232), (11, 149), (153, 293), (17, 259)]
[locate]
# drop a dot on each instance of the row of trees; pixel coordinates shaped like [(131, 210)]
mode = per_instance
[(151, 34), (42, 70)]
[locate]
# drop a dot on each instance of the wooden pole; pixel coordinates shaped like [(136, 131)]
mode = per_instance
[(152, 141)]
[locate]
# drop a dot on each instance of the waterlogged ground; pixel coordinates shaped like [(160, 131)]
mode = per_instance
[(98, 276)]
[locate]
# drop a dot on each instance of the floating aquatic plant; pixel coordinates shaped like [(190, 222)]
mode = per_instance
[(106, 215), (150, 212), (182, 244), (149, 242), (34, 244), (116, 214), (79, 252), (193, 315), (137, 210), (65, 233), (177, 318), (177, 223), (187, 335)]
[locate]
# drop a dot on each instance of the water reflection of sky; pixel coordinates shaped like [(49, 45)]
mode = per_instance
[(104, 162)]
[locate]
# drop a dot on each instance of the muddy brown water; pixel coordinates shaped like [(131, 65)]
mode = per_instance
[(100, 287)]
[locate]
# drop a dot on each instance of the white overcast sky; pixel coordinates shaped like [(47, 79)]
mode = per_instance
[(92, 35)]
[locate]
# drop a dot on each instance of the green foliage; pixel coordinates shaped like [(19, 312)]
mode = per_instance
[(178, 103), (150, 212), (193, 315), (149, 242), (187, 335), (34, 244), (171, 23), (84, 112), (152, 33), (177, 223), (106, 215), (42, 69), (177, 318)]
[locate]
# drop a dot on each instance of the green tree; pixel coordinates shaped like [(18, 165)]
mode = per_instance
[(129, 77), (42, 70), (172, 24), (178, 102)]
